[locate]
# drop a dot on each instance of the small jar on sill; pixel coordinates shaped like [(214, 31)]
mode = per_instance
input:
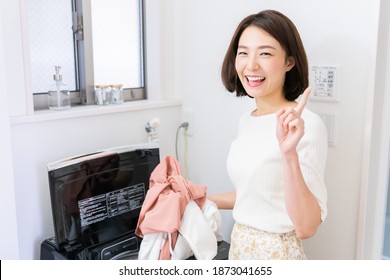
[(117, 94), (103, 95)]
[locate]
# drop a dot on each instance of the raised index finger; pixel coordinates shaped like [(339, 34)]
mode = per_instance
[(302, 102)]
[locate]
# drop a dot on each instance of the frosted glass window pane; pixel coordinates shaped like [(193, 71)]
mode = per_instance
[(51, 43), (116, 36)]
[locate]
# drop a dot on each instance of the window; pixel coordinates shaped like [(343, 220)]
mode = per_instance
[(96, 42), (51, 43)]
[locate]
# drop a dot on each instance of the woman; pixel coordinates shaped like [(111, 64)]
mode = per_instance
[(277, 161)]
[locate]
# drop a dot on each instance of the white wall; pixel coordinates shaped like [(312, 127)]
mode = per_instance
[(376, 150), (334, 32), (194, 37), (9, 248)]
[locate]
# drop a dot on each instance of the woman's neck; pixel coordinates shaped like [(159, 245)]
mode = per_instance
[(266, 106)]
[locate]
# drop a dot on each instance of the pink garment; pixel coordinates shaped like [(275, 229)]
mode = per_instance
[(166, 201)]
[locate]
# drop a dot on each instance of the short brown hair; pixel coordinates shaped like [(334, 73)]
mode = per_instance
[(284, 31)]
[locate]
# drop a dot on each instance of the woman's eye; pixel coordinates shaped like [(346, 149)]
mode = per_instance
[(265, 54), (241, 53)]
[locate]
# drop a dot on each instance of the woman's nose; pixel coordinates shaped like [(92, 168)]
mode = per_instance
[(253, 64)]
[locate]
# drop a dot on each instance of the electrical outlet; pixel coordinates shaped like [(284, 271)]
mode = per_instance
[(187, 115)]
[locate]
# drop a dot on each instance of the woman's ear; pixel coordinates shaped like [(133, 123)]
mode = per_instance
[(290, 63)]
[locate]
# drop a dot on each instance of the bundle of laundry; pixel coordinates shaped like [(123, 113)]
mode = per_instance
[(176, 220)]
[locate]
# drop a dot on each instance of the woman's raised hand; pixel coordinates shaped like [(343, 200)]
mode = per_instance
[(290, 126)]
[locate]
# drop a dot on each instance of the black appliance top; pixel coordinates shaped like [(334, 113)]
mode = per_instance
[(96, 198)]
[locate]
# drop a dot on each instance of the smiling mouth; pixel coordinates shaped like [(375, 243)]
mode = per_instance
[(254, 81)]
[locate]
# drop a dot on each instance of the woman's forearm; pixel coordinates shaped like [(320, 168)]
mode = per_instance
[(223, 200), (302, 206)]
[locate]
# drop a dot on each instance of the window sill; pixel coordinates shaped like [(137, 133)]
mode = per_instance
[(93, 110)]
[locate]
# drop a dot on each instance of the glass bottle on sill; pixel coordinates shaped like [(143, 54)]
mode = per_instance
[(58, 95)]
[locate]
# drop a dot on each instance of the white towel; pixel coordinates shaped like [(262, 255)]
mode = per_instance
[(200, 231)]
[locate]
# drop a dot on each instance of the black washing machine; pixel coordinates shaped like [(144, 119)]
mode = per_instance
[(96, 200)]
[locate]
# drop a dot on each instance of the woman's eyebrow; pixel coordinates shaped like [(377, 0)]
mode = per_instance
[(259, 48)]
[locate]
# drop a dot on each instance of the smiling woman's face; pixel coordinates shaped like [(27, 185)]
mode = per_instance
[(261, 63)]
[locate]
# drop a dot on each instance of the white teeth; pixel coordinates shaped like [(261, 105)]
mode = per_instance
[(255, 79)]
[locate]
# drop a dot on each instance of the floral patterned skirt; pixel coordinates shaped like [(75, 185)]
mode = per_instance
[(251, 244)]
